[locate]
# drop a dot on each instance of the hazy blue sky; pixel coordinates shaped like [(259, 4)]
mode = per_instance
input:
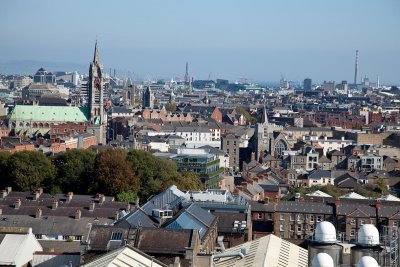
[(259, 40)]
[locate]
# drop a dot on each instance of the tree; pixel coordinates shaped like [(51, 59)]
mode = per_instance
[(246, 114), (188, 180), (170, 107), (28, 170), (3, 168), (75, 170), (113, 173), (129, 196)]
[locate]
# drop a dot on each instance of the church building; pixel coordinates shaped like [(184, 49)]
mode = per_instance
[(268, 139), (32, 120)]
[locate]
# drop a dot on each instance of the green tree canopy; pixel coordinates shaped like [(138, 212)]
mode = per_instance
[(113, 173), (246, 114), (28, 170), (3, 168), (75, 170), (170, 107)]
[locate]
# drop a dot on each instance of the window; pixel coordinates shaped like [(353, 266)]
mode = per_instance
[(282, 227), (311, 218), (319, 218), (395, 223), (291, 228), (299, 228), (116, 236), (38, 236), (259, 216), (291, 217), (299, 217), (352, 232), (269, 216), (282, 217), (362, 222), (352, 221)]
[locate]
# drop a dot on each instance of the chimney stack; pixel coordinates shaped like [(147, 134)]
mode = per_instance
[(8, 189), (244, 185), (40, 189), (378, 205), (253, 156), (276, 199), (3, 193), (54, 204), (69, 196), (128, 207), (17, 203), (78, 214), (37, 195), (116, 215), (337, 204), (38, 214), (92, 205), (102, 198), (137, 203)]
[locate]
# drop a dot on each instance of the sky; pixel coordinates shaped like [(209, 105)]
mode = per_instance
[(260, 40)]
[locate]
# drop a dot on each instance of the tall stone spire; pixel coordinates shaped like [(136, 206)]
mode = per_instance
[(265, 116), (96, 57)]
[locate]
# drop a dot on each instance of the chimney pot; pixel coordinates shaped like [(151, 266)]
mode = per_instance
[(92, 206), (54, 204), (116, 215), (70, 195), (17, 203), (38, 213), (102, 198), (37, 195), (78, 214)]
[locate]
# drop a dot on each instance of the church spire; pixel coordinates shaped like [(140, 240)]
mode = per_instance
[(96, 57), (265, 116)]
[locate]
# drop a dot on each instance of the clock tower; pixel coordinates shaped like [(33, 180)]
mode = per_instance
[(96, 98)]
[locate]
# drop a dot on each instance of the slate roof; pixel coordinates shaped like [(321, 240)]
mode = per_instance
[(227, 219), (270, 187), (324, 159), (319, 174), (165, 241), (167, 199), (137, 217), (193, 217), (346, 181)]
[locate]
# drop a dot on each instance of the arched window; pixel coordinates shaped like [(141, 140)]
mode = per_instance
[(280, 146)]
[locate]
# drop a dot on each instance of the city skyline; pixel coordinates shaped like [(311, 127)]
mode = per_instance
[(229, 40)]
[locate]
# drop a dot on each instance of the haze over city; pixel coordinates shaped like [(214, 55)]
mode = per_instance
[(261, 40)]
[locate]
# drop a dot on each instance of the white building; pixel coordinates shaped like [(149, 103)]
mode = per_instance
[(333, 144), (17, 248)]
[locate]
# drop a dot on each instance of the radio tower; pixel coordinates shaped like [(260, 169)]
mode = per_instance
[(356, 69)]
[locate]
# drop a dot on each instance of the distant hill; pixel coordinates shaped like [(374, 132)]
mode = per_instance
[(29, 67)]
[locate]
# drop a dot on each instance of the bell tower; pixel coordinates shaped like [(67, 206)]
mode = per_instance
[(96, 89), (96, 97)]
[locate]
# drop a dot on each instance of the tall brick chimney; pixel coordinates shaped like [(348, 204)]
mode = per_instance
[(337, 205), (116, 214), (378, 206)]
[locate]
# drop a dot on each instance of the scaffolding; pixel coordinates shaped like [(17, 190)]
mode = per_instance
[(390, 242)]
